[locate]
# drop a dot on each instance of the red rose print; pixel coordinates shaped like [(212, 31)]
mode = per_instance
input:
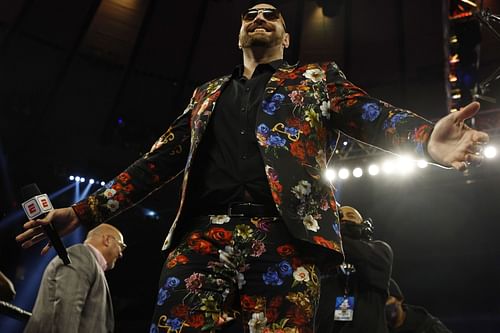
[(247, 302), (220, 235), (196, 320), (128, 188), (311, 148), (272, 314), (124, 177), (182, 259), (180, 310), (201, 246), (286, 250), (297, 316), (171, 263), (305, 128), (117, 187), (276, 301), (297, 150), (323, 242), (293, 122)]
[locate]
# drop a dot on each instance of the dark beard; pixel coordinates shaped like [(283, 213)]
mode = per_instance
[(260, 41)]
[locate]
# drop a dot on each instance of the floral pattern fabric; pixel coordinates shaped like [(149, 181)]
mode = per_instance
[(237, 274), (302, 110)]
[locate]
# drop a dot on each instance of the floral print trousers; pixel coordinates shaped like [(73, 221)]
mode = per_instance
[(237, 274)]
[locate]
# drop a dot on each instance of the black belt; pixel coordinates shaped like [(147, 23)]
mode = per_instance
[(246, 209)]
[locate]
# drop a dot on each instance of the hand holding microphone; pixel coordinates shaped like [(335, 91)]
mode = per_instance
[(43, 219)]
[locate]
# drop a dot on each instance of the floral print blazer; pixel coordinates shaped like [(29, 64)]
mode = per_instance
[(297, 127)]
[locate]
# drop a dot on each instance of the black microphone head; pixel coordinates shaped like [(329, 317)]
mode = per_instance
[(29, 191)]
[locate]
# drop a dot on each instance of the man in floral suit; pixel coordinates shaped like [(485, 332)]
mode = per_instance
[(255, 218)]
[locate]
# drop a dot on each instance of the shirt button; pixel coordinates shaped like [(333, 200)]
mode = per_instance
[(242, 132), (247, 89), (243, 109), (243, 157)]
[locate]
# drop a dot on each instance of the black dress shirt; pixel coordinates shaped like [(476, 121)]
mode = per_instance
[(228, 166)]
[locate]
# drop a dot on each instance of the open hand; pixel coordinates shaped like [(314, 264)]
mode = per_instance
[(453, 143)]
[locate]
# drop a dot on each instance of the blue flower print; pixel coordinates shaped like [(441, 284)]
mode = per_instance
[(278, 98), (371, 111), (269, 107), (292, 131), (276, 141), (163, 294), (172, 282), (394, 120), (272, 278), (153, 329), (285, 269), (263, 129), (174, 324)]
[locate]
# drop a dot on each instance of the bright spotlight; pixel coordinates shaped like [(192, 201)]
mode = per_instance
[(91, 181), (388, 167), (345, 143), (405, 164), (343, 173), (150, 213), (77, 178), (357, 172), (422, 164), (330, 175), (103, 183), (71, 178), (490, 152), (82, 180), (373, 170)]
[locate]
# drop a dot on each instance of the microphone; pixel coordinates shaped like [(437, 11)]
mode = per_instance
[(37, 205)]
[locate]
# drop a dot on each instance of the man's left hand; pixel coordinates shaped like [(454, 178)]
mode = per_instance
[(453, 143)]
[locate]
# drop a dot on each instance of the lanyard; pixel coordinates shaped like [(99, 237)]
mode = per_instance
[(346, 269)]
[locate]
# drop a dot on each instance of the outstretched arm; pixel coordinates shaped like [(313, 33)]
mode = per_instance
[(448, 142), (164, 162)]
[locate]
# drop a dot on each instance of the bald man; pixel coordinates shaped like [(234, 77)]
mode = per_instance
[(75, 298), (353, 297)]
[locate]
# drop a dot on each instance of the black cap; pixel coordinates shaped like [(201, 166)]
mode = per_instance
[(395, 291)]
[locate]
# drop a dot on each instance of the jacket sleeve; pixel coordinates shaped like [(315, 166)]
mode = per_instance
[(373, 121), (372, 260), (164, 162)]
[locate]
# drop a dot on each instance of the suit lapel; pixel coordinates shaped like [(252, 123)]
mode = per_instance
[(279, 77), (205, 105)]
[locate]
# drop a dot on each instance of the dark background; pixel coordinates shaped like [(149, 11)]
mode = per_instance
[(86, 86)]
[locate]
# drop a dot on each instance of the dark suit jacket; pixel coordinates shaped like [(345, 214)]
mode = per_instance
[(368, 284), (73, 298), (297, 128)]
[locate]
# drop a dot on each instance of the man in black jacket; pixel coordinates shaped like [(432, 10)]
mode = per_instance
[(406, 318), (353, 297)]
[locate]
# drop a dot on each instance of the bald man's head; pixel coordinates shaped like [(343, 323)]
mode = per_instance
[(109, 241)]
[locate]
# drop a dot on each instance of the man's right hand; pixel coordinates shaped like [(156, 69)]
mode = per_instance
[(64, 220)]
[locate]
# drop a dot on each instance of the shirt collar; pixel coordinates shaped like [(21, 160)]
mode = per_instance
[(98, 256), (238, 70)]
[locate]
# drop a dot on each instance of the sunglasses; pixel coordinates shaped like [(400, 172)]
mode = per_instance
[(270, 14)]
